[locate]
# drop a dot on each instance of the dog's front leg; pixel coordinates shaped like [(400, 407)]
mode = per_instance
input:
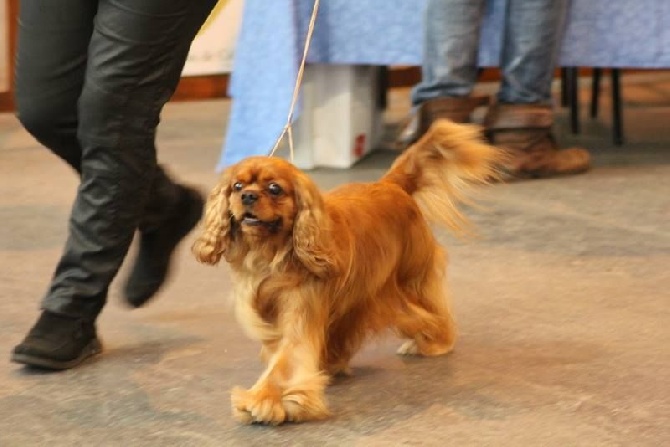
[(292, 386), (268, 349)]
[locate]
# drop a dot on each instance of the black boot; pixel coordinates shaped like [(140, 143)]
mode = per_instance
[(157, 245), (58, 342)]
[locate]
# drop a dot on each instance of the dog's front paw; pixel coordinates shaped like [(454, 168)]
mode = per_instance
[(305, 405), (272, 405), (263, 406)]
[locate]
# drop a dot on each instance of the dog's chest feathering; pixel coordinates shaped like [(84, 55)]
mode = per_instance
[(245, 292)]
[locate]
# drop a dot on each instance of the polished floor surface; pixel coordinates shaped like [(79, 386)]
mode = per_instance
[(563, 304)]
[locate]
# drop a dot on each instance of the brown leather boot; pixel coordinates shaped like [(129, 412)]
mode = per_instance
[(458, 110), (524, 130)]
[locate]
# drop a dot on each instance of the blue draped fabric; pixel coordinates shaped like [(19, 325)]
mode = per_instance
[(608, 33)]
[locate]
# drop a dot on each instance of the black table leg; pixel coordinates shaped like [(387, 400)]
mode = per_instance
[(574, 99), (382, 87), (565, 93), (595, 90)]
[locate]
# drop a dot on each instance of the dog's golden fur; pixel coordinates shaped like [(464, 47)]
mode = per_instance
[(315, 274)]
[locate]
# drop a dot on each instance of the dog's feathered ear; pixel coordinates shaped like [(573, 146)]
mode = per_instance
[(216, 226), (311, 229)]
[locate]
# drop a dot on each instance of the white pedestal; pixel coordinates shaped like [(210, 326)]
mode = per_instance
[(340, 121)]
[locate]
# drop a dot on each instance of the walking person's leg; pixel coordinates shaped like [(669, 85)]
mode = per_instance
[(136, 53), (51, 68)]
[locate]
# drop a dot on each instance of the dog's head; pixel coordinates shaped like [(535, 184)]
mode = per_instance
[(265, 202)]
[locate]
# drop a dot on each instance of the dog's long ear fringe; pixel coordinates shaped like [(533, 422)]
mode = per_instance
[(212, 243), (442, 169), (311, 233)]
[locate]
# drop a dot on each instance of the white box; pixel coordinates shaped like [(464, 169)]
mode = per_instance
[(340, 120)]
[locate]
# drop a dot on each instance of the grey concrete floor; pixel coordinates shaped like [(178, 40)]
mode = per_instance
[(562, 302)]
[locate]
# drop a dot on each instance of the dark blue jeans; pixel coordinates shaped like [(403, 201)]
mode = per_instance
[(531, 39), (92, 77)]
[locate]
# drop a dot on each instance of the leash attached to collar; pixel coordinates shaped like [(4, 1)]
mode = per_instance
[(288, 128)]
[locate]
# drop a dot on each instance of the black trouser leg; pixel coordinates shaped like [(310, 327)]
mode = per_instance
[(50, 70), (49, 85), (119, 72)]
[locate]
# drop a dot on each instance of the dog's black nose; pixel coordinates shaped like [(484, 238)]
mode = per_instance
[(249, 197)]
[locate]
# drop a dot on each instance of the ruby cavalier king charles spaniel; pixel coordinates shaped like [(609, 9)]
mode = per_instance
[(316, 274)]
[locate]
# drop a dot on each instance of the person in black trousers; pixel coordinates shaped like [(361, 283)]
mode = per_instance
[(92, 77)]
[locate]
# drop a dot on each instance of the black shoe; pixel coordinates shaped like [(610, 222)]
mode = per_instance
[(58, 342), (152, 264)]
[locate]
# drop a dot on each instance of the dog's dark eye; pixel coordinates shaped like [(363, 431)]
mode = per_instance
[(275, 189), (238, 186)]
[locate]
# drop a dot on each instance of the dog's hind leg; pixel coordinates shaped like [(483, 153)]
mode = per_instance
[(429, 334), (426, 318), (345, 337)]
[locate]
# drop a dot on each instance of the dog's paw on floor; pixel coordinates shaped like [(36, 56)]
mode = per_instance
[(271, 406)]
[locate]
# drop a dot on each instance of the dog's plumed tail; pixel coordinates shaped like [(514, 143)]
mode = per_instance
[(441, 169)]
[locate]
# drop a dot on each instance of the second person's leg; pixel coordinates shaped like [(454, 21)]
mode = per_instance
[(449, 67), (522, 120), (532, 38), (450, 49)]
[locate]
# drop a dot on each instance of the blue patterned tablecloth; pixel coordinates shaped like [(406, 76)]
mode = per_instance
[(607, 33)]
